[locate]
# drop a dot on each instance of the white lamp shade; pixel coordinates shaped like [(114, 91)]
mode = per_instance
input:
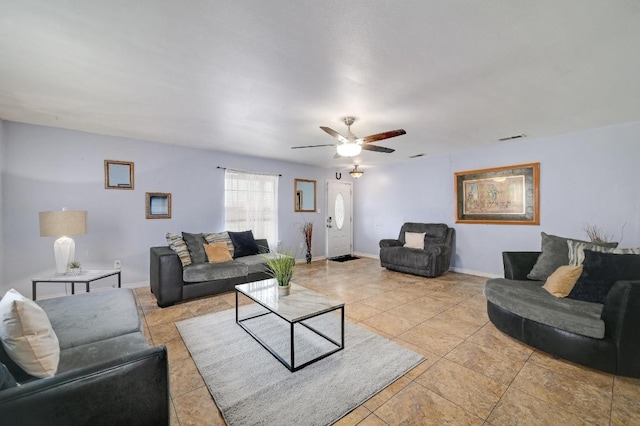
[(349, 149)]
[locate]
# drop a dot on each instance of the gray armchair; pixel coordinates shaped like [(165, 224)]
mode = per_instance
[(432, 261)]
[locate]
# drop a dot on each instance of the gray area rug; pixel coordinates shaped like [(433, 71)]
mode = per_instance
[(251, 387)]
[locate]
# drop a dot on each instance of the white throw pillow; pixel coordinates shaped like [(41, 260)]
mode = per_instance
[(414, 239), (27, 335)]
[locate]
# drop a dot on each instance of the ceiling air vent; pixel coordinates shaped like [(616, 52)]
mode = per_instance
[(416, 156), (510, 138)]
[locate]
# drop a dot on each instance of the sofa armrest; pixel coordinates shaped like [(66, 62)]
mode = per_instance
[(518, 264), (132, 389), (437, 250), (165, 276), (621, 316), (390, 243)]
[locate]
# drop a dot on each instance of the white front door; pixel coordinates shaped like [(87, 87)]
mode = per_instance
[(338, 218)]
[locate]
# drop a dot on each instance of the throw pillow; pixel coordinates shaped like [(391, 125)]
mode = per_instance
[(561, 282), (27, 335), (219, 237), (555, 253), (6, 378), (577, 248), (243, 244), (217, 253), (600, 273), (414, 239), (177, 244), (195, 244)]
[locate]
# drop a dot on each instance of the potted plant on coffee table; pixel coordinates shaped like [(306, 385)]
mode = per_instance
[(280, 266)]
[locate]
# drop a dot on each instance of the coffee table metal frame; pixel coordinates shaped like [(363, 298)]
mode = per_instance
[(293, 367)]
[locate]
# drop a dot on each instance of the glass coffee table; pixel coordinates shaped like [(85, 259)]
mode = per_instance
[(295, 310)]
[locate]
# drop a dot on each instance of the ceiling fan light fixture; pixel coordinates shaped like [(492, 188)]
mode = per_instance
[(349, 149), (355, 173)]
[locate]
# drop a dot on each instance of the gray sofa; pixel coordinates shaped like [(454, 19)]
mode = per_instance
[(171, 282), (598, 335), (432, 261), (107, 375)]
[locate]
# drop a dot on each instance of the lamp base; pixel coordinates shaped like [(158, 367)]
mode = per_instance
[(64, 249)]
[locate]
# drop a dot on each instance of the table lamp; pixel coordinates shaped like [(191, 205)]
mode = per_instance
[(62, 224)]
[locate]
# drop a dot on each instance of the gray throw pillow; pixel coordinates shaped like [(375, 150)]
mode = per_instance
[(195, 244), (555, 253)]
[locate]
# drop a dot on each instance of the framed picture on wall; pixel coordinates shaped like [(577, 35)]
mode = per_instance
[(158, 205), (500, 195), (118, 174)]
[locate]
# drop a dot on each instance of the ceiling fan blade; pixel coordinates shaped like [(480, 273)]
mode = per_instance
[(335, 134), (312, 146), (378, 148), (383, 135)]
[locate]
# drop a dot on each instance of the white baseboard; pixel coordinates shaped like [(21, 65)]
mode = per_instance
[(474, 272)]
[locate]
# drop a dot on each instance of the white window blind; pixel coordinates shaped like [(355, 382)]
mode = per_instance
[(251, 203)]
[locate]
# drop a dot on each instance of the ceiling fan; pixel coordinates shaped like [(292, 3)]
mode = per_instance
[(350, 146)]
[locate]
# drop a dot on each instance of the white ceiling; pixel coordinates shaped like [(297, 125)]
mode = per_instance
[(259, 76)]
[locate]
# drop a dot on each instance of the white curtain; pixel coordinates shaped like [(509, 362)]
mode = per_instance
[(251, 203)]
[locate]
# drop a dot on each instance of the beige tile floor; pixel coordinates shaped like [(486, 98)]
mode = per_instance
[(472, 373)]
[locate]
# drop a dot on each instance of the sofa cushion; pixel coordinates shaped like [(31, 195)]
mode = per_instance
[(200, 272), (561, 282), (577, 248), (100, 351), (410, 257), (195, 244), (257, 262), (414, 240), (220, 237), (555, 253), (243, 244), (601, 271), (529, 300), (177, 244), (28, 336), (91, 317)]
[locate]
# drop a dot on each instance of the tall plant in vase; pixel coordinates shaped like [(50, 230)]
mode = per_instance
[(307, 231)]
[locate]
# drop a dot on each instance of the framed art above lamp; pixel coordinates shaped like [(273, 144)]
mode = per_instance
[(63, 224)]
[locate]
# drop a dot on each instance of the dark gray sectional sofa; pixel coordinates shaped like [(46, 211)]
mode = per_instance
[(603, 336), (107, 374), (171, 282)]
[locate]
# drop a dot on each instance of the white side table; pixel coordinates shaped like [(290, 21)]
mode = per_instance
[(86, 277)]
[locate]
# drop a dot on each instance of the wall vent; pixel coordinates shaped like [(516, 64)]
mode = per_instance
[(509, 138)]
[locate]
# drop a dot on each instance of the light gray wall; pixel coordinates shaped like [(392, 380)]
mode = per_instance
[(48, 168), (586, 177), (1, 197)]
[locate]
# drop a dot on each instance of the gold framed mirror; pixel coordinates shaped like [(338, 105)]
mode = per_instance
[(118, 174), (158, 205), (304, 195)]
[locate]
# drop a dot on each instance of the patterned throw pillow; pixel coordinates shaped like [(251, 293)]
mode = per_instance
[(177, 244), (220, 237), (577, 248)]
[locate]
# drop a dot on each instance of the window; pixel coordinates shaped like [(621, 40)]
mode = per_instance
[(251, 202)]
